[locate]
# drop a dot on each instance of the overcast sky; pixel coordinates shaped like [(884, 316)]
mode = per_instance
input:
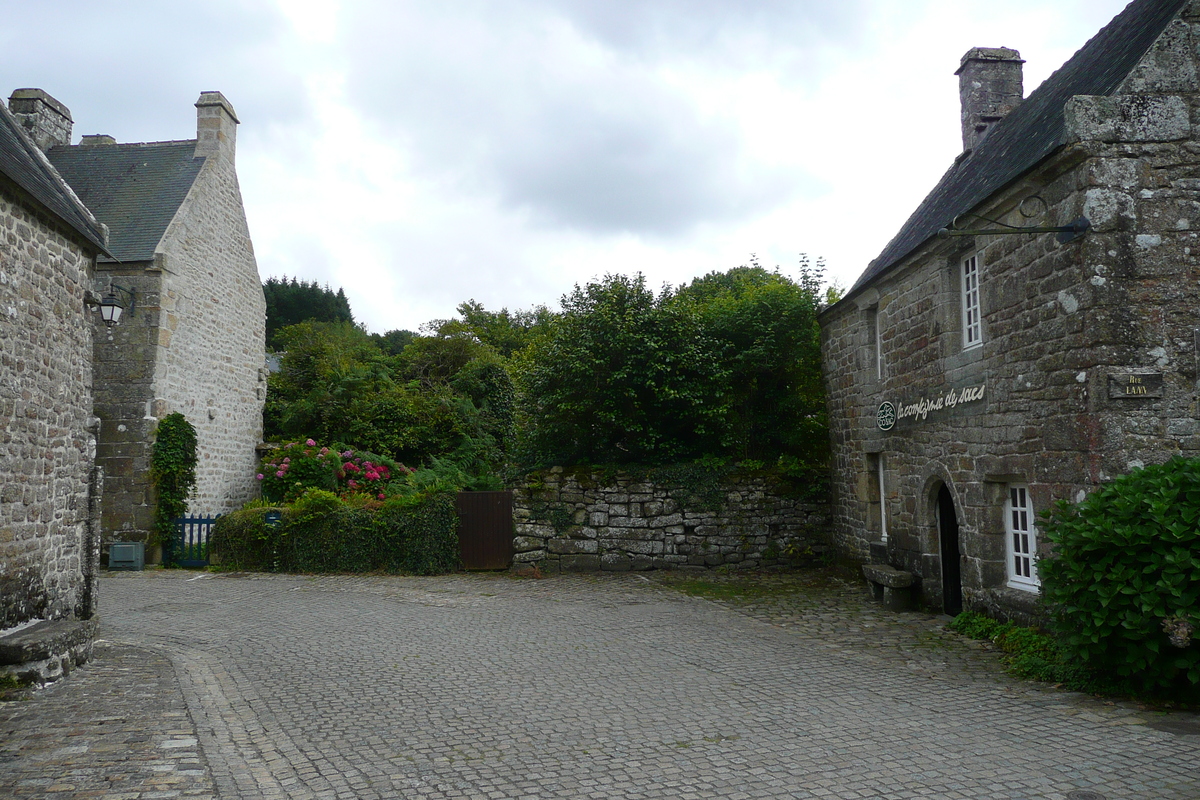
[(419, 154)]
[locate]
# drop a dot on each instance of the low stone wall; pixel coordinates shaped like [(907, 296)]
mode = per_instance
[(582, 521)]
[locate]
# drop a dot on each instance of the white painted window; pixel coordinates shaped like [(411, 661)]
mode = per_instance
[(1022, 539), (972, 330), (882, 499), (878, 344)]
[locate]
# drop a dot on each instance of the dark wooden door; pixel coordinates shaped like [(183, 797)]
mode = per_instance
[(485, 529), (952, 597)]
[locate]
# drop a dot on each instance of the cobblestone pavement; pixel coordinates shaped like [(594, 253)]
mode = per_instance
[(603, 686), (117, 728)]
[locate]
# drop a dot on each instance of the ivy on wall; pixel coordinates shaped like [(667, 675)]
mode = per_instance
[(172, 471)]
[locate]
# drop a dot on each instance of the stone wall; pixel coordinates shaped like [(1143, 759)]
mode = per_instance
[(212, 364), (1065, 326), (578, 520), (195, 345), (46, 424)]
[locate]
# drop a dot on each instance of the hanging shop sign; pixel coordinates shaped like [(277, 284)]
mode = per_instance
[(890, 414)]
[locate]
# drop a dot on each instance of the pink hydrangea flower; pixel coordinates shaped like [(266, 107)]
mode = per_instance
[(279, 474), (259, 476), (310, 443), (381, 496)]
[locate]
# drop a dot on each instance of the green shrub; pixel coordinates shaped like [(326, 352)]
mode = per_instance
[(172, 471), (1124, 581), (420, 534), (288, 471), (244, 540), (322, 533), (1031, 654), (975, 626)]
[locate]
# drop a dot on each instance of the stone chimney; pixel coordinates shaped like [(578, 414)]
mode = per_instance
[(216, 126), (46, 121), (96, 140), (990, 86)]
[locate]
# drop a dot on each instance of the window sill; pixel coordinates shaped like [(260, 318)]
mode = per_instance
[(1024, 586)]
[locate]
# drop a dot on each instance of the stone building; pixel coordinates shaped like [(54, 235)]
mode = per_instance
[(978, 376), (48, 484), (192, 338)]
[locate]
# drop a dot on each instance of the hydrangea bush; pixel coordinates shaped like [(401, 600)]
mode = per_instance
[(287, 472)]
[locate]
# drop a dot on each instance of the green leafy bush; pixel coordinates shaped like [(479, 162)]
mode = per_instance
[(1031, 654), (1124, 581), (245, 540), (291, 470), (320, 532), (172, 471)]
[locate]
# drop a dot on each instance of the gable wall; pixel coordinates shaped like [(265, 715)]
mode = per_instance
[(211, 362), (46, 431), (1058, 321)]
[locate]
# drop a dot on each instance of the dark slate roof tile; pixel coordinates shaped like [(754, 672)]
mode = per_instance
[(25, 166), (135, 189), (1032, 131)]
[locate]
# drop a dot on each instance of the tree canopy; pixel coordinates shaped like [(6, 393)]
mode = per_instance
[(726, 366), (290, 302)]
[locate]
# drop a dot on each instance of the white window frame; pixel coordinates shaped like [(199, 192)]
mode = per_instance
[(878, 344), (881, 470), (1021, 537), (972, 328)]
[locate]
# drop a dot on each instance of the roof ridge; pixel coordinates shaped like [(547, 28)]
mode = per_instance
[(167, 143), (98, 232), (1031, 131)]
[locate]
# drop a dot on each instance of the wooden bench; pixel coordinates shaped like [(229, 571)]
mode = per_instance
[(892, 586)]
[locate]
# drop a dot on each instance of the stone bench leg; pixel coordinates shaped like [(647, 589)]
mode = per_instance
[(896, 599)]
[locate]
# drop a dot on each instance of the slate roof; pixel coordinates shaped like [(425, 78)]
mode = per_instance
[(25, 166), (1033, 130), (134, 189)]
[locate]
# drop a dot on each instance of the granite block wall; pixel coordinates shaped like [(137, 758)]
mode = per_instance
[(577, 520), (1088, 365), (194, 345), (47, 432)]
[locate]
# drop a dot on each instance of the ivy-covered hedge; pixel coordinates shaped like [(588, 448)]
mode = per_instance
[(319, 533), (172, 472), (1124, 582)]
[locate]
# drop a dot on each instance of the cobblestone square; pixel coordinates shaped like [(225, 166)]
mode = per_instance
[(598, 686)]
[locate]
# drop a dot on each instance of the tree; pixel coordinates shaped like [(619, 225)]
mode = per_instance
[(621, 376), (727, 366), (504, 331), (393, 342), (770, 351), (446, 400), (292, 302)]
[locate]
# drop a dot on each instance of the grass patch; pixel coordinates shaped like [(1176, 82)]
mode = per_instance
[(749, 586), (12, 687)]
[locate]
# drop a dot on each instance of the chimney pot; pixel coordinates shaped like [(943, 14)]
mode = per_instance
[(990, 85), (216, 126), (46, 121)]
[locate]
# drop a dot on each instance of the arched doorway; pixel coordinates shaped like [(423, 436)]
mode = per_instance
[(947, 521)]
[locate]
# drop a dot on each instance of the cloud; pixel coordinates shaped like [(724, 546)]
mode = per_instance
[(133, 69), (550, 119)]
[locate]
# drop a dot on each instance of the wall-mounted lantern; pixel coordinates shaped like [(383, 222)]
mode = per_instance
[(111, 306)]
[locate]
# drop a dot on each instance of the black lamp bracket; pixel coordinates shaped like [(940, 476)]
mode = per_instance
[(1030, 206)]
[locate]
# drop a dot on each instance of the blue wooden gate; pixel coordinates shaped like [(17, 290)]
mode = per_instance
[(189, 546)]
